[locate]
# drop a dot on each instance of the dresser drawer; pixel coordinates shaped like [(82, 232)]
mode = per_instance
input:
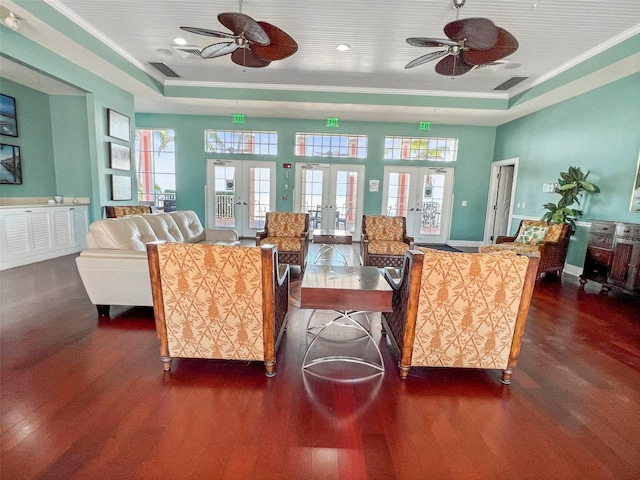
[(598, 226), (599, 255), (601, 241), (627, 230)]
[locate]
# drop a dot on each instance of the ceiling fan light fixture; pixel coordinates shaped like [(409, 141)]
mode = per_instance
[(179, 41)]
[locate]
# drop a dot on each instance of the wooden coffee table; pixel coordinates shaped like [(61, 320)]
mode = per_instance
[(331, 241), (349, 291)]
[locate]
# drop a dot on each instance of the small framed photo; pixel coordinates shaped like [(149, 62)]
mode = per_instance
[(120, 187), (10, 165), (8, 116), (119, 156), (118, 125)]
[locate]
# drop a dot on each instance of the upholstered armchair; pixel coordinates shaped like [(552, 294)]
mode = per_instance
[(463, 310), (124, 210), (548, 242), (290, 233), (384, 240), (218, 302)]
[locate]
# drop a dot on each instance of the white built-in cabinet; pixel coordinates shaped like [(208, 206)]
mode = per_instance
[(32, 234)]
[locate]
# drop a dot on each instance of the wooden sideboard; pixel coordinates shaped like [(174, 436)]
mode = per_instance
[(613, 256)]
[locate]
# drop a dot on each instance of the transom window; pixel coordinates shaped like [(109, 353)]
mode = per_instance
[(330, 145), (421, 148), (241, 141)]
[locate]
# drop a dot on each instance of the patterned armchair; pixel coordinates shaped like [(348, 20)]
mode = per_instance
[(551, 249), (290, 233), (124, 210), (384, 241), (463, 310), (218, 302)]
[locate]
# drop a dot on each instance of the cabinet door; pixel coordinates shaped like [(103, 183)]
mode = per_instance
[(15, 235), (62, 227), (40, 230), (80, 226), (621, 263)]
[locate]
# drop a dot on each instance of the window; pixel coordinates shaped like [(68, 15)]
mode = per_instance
[(241, 141), (156, 168), (331, 145), (421, 148)]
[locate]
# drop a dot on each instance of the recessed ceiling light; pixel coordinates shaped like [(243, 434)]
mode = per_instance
[(165, 52), (179, 41), (343, 47)]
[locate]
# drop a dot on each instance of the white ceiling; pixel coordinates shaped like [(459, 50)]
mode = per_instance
[(553, 35)]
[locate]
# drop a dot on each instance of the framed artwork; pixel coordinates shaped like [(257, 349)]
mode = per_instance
[(10, 165), (8, 117), (120, 187), (118, 125), (119, 156)]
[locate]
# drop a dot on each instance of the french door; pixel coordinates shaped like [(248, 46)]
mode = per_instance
[(332, 194), (239, 194), (424, 196)]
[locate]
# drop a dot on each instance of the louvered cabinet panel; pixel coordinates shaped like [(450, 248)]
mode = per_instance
[(40, 230), (80, 226), (15, 235), (62, 227)]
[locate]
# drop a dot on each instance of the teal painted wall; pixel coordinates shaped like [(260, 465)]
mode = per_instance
[(472, 169), (35, 140), (597, 131), (71, 145)]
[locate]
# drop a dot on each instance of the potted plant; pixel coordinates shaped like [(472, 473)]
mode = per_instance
[(571, 185)]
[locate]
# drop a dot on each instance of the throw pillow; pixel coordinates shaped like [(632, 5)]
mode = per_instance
[(532, 235)]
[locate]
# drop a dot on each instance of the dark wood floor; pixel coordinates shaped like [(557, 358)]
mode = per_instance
[(84, 397)]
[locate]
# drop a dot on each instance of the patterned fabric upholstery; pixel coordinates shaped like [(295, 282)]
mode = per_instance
[(386, 228), (552, 251), (460, 309), (384, 240), (290, 232), (210, 300), (523, 248), (467, 309), (122, 211), (286, 224)]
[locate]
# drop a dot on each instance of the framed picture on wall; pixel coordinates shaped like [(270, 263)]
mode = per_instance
[(10, 164), (119, 156), (8, 116), (120, 187), (635, 195), (118, 125)]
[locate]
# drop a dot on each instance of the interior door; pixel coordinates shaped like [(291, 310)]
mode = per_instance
[(424, 196), (239, 194), (332, 194), (501, 197)]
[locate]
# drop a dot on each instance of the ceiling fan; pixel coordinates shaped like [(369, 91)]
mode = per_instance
[(251, 43), (472, 42)]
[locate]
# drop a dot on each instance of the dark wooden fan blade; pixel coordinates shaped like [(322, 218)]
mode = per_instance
[(218, 49), (246, 58), (209, 33), (281, 46), (506, 45), (452, 66), (426, 58), (431, 42), (478, 33), (241, 24)]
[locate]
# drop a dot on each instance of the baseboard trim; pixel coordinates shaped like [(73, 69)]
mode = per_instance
[(572, 270)]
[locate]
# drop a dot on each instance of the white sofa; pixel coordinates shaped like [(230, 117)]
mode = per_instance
[(114, 267)]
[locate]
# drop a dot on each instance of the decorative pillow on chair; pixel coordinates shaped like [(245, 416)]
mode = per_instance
[(532, 235)]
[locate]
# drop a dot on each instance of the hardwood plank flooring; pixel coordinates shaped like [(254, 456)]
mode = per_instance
[(84, 397)]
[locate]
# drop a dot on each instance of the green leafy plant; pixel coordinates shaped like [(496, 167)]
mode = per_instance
[(571, 186)]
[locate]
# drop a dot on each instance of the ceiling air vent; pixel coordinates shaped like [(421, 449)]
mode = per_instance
[(164, 69), (512, 82)]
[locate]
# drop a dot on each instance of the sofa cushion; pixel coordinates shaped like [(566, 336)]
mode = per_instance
[(286, 224), (383, 227), (554, 230), (125, 233), (284, 244), (382, 247), (521, 248)]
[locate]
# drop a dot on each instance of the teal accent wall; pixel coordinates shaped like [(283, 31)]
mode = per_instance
[(35, 139), (472, 169), (71, 145), (599, 131)]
